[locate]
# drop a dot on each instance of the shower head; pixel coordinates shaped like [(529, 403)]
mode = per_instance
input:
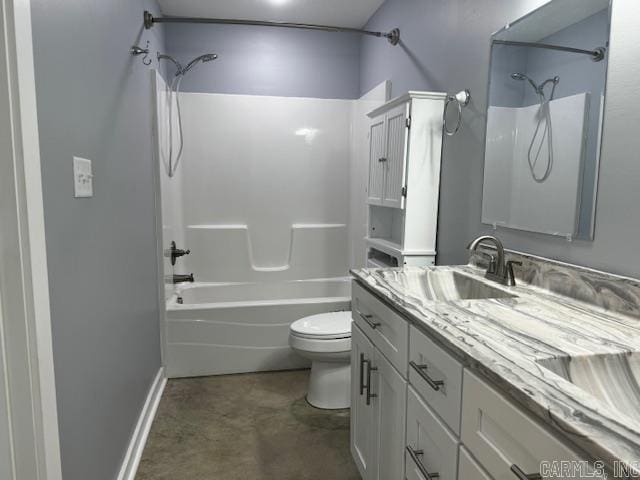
[(522, 77), (538, 88), (207, 57), (180, 70), (555, 80)]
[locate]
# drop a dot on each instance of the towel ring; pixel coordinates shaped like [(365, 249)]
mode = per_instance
[(461, 99)]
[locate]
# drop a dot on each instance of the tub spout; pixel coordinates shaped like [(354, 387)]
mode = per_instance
[(183, 278)]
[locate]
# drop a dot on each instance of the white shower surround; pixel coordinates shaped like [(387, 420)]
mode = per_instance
[(551, 206), (262, 198)]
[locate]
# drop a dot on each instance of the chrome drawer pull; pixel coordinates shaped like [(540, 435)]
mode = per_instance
[(367, 318), (517, 471), (362, 362), (368, 387), (435, 384), (423, 470)]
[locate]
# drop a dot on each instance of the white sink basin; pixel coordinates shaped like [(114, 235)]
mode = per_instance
[(446, 285)]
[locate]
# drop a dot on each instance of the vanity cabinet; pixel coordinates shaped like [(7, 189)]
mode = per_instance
[(362, 413), (416, 411), (379, 343), (378, 409)]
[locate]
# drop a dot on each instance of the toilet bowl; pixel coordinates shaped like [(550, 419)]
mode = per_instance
[(325, 339)]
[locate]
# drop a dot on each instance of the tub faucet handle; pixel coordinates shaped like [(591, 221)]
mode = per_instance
[(175, 252)]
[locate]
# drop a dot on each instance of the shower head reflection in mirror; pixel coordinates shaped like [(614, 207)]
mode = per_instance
[(174, 88), (541, 134)]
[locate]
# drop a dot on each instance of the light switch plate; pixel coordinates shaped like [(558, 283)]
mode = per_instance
[(82, 178)]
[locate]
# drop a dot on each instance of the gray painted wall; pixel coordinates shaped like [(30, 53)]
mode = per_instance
[(445, 46), (268, 61), (94, 101)]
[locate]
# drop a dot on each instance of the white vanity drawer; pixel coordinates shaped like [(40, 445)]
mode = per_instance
[(437, 376), (388, 331), (468, 468), (501, 436), (430, 444)]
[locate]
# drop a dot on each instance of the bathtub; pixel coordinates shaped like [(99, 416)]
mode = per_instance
[(222, 328)]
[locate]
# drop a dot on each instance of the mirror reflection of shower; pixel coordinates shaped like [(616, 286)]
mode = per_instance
[(541, 134), (174, 89)]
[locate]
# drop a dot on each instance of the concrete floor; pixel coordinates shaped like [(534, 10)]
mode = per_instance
[(246, 427)]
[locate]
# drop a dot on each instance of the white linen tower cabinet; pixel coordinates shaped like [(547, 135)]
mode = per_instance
[(405, 146)]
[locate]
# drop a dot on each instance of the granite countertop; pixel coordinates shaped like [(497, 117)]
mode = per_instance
[(512, 340)]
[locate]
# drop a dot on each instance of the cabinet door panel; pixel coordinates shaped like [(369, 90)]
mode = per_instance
[(434, 446), (390, 410), (500, 435), (396, 127), (377, 156), (362, 415), (468, 469)]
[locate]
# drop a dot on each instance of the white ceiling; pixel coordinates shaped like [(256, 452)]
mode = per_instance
[(339, 13), (551, 18)]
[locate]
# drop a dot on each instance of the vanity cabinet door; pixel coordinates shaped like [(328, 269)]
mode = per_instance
[(362, 415), (503, 438), (468, 469), (377, 159), (389, 401), (396, 147), (430, 446)]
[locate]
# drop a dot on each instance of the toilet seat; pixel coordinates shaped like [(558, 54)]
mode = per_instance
[(314, 345), (323, 326)]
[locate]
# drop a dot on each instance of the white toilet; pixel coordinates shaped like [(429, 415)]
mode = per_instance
[(325, 339)]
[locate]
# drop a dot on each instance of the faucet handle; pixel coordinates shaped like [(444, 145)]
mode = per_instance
[(490, 258), (511, 277)]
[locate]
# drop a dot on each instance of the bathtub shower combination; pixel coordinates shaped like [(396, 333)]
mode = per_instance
[(261, 199)]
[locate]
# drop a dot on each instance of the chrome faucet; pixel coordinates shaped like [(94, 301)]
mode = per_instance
[(498, 270)]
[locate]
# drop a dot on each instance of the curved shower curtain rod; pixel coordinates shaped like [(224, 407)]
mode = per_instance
[(149, 20)]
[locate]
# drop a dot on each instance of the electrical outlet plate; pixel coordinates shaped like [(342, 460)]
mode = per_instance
[(82, 178)]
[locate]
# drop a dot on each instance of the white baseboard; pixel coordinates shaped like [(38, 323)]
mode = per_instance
[(139, 438)]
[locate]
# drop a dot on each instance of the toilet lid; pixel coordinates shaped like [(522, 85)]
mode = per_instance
[(324, 325)]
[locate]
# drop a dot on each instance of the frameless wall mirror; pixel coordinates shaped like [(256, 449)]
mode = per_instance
[(544, 121)]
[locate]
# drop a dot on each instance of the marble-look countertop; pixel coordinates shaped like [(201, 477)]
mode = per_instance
[(508, 341)]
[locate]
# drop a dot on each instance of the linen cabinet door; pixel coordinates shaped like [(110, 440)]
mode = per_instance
[(377, 160), (362, 415), (396, 147), (390, 401)]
